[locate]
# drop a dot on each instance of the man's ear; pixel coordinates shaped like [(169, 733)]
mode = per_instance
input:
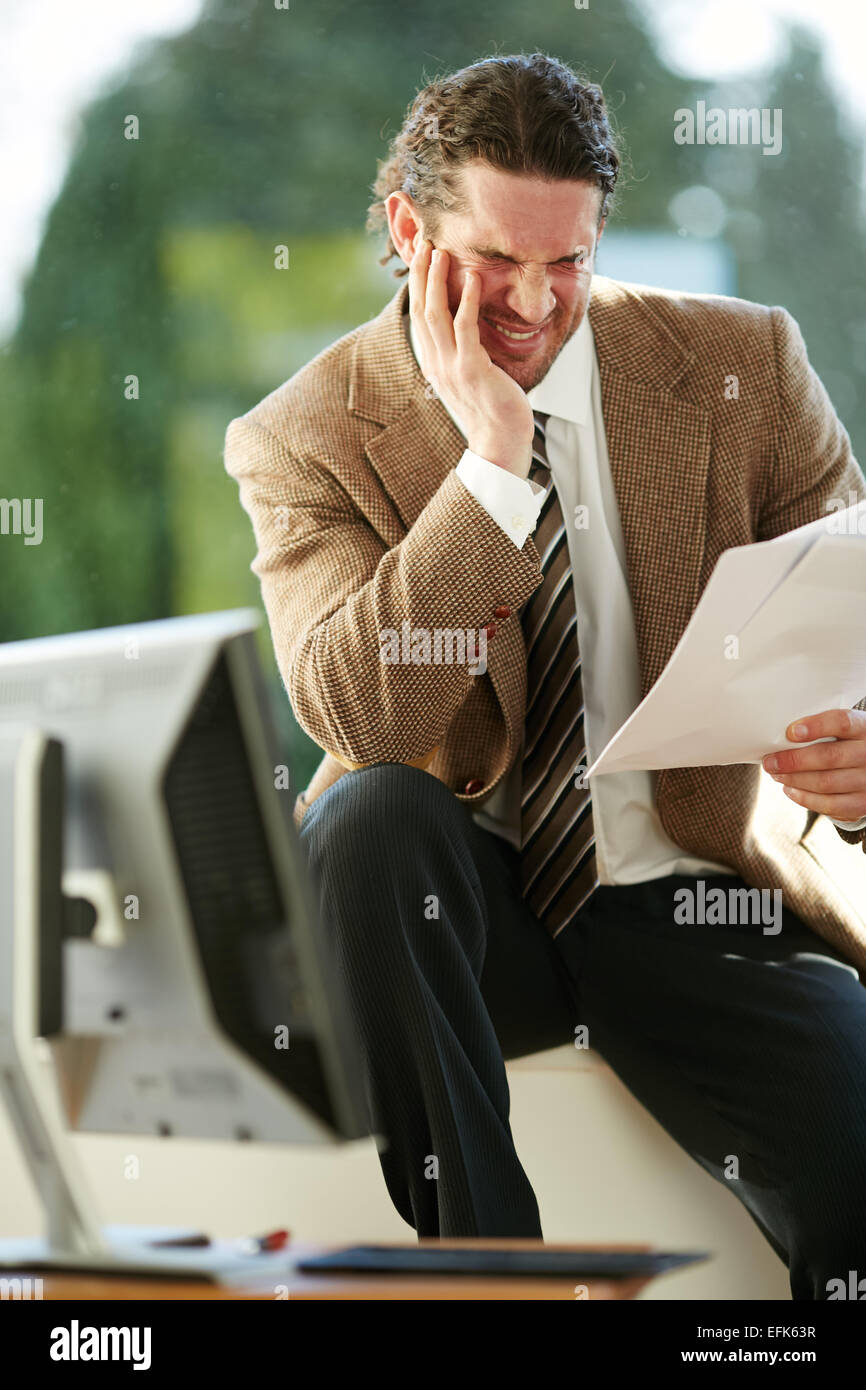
[(404, 225)]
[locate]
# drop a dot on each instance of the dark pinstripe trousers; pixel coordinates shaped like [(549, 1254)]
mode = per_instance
[(748, 1047)]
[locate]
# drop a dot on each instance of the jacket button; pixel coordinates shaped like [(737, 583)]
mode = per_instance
[(502, 612), (472, 786), (490, 630)]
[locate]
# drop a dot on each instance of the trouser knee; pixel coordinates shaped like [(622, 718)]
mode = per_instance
[(376, 808), (383, 844)]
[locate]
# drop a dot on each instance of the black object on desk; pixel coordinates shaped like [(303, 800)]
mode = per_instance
[(591, 1264)]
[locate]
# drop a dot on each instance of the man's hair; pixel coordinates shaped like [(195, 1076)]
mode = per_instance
[(525, 114)]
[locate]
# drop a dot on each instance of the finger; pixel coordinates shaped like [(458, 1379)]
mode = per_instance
[(835, 782), (851, 807), (817, 757), (848, 750), (466, 333), (418, 274), (437, 315), (418, 278), (830, 723)]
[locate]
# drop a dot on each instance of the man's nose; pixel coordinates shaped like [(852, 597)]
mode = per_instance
[(530, 297)]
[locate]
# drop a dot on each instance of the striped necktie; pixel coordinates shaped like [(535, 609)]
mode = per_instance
[(557, 847)]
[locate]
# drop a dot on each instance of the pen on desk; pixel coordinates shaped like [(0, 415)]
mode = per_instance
[(259, 1245)]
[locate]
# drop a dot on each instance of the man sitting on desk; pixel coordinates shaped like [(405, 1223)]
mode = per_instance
[(497, 453)]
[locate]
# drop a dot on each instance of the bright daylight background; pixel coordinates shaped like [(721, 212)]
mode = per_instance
[(261, 126)]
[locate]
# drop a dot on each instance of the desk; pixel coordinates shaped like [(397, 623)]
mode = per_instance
[(88, 1287)]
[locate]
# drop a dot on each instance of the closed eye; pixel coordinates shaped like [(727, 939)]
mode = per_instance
[(578, 259)]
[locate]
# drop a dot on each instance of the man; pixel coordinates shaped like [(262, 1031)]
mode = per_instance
[(551, 479)]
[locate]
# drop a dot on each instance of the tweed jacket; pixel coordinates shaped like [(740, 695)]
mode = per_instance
[(719, 434)]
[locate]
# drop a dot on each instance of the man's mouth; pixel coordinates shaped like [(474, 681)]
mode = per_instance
[(516, 335)]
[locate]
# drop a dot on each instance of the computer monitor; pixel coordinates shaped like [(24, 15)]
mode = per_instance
[(156, 926)]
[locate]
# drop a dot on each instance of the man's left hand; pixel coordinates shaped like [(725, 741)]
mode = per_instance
[(826, 777)]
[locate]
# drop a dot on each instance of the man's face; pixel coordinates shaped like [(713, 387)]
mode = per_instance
[(533, 243)]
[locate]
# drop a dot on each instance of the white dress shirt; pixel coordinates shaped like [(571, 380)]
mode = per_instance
[(631, 844)]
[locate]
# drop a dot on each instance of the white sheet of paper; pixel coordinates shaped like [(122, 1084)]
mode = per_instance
[(779, 633)]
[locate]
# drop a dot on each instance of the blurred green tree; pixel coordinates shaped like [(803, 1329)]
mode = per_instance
[(154, 312)]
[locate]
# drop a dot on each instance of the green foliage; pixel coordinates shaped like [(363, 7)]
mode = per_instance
[(261, 128)]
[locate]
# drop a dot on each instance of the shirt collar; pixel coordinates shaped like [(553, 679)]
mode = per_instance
[(566, 389)]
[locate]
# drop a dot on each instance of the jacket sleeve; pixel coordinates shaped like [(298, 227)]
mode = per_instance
[(333, 592), (814, 466)]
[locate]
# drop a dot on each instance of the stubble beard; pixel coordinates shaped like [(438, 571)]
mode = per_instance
[(529, 373)]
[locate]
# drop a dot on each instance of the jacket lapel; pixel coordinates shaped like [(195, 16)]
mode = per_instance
[(659, 449), (414, 455), (419, 444)]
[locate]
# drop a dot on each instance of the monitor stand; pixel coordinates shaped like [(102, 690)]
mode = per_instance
[(31, 936)]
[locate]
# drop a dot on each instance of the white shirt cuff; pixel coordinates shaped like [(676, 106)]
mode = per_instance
[(851, 824), (512, 502)]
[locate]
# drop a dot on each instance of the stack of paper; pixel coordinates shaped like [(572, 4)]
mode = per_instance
[(779, 633)]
